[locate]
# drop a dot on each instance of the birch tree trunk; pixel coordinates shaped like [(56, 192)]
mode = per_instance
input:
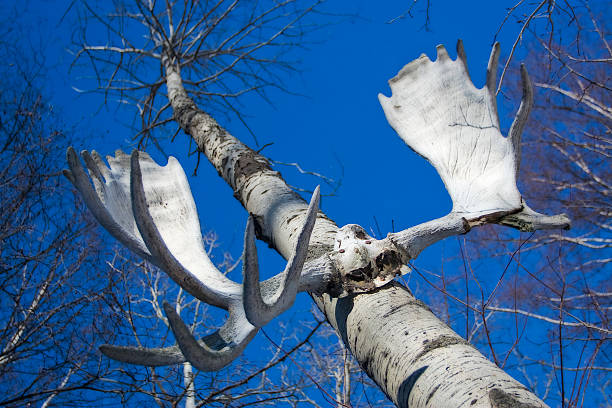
[(415, 358)]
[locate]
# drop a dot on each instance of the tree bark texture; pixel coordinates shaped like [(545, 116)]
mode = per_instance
[(415, 358)]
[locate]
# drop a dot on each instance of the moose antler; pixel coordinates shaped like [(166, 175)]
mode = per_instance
[(436, 109), (150, 209)]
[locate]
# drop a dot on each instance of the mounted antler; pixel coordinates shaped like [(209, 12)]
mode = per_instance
[(150, 209), (436, 109)]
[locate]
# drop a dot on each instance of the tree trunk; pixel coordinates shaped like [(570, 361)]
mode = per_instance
[(415, 358)]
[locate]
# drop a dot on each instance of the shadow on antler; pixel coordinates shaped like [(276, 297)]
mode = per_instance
[(150, 209), (436, 109)]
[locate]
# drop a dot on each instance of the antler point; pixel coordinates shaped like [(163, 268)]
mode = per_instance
[(442, 54)]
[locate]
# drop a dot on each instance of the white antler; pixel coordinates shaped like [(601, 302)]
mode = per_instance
[(150, 209), (436, 109), (263, 303)]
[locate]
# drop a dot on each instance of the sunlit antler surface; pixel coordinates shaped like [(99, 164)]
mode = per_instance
[(436, 109)]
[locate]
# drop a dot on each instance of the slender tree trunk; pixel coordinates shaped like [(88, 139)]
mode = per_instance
[(346, 386), (189, 385), (415, 358)]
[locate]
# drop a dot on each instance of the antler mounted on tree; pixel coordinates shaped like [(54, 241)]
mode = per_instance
[(434, 108)]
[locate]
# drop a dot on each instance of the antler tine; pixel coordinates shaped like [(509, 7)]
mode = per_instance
[(217, 350), (529, 220), (441, 53), (461, 55), (210, 286), (492, 68), (211, 353), (522, 115), (97, 201), (491, 81), (97, 170), (154, 357), (277, 296)]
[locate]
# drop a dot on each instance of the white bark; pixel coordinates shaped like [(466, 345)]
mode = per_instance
[(419, 359), (188, 381)]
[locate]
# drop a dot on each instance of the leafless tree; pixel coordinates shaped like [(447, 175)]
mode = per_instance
[(50, 313), (226, 49), (572, 124)]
